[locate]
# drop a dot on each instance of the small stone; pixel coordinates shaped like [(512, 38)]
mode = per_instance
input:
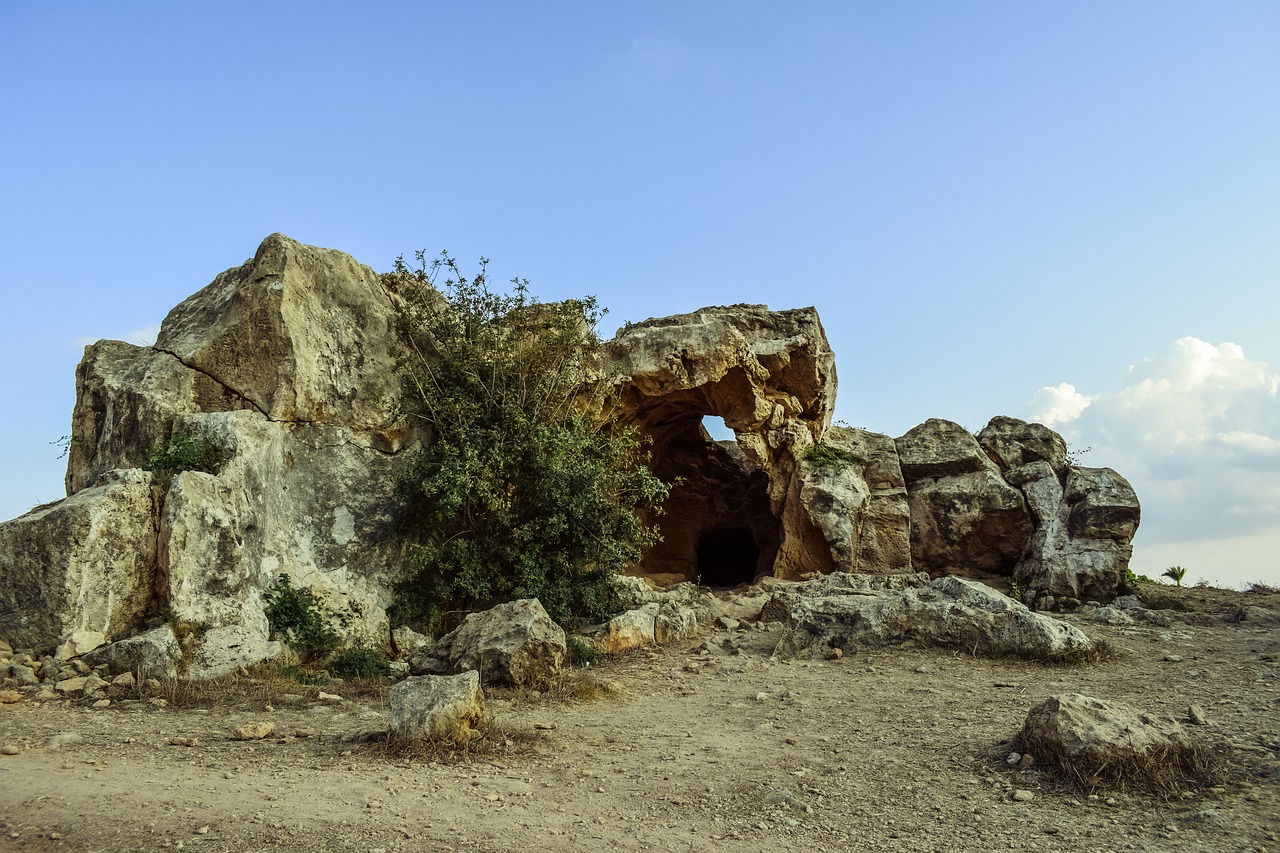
[(1195, 715), (102, 703), (1023, 796), (328, 697), (204, 830), (184, 741), (835, 654), (1172, 658), (762, 696), (62, 739), (10, 697), (9, 749), (304, 733), (1026, 761), (1013, 758), (124, 681), (254, 731)]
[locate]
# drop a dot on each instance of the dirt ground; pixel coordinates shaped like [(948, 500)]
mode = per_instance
[(894, 750)]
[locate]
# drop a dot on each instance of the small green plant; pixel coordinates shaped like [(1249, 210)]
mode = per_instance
[(582, 652), (359, 662), (184, 452), (1015, 589), (827, 458), (1133, 581), (299, 618), (1175, 574)]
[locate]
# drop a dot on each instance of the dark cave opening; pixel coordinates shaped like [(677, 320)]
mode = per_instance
[(727, 557)]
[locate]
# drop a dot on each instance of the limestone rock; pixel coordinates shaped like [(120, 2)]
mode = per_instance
[(1013, 443), (82, 564), (513, 643), (965, 518), (151, 654), (949, 611), (254, 731), (1100, 742), (448, 707), (770, 375), (858, 500), (633, 629), (406, 642), (79, 643)]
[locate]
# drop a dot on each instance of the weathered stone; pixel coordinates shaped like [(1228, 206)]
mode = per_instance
[(254, 731), (1082, 544), (1013, 443), (72, 686), (406, 642), (966, 519), (146, 655), (1107, 742), (633, 629), (513, 643), (857, 498), (770, 375), (448, 707), (79, 643), (10, 697), (84, 563), (949, 611)]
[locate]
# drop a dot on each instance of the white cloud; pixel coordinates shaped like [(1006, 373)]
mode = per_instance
[(1058, 404), (1196, 430)]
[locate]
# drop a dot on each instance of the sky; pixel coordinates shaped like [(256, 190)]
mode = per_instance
[(1065, 212)]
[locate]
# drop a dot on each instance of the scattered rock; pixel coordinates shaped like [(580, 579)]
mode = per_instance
[(633, 629), (1196, 716), (10, 697), (1021, 795), (254, 731), (55, 742), (10, 749)]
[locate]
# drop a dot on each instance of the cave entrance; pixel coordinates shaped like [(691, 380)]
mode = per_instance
[(717, 526), (727, 557)]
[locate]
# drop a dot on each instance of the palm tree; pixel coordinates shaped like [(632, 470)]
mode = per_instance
[(1175, 573)]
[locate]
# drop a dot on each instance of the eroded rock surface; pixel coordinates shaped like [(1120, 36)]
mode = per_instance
[(848, 612), (513, 643)]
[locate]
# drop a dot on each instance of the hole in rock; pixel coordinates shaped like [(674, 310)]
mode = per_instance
[(718, 429), (715, 488), (727, 557)]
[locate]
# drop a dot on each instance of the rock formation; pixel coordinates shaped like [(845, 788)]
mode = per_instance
[(286, 366)]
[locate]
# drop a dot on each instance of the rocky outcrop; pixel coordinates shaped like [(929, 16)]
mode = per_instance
[(849, 612), (285, 368)]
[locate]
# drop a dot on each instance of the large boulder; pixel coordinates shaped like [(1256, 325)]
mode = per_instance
[(1096, 742), (513, 643), (82, 564), (856, 495), (966, 519), (851, 612), (436, 707)]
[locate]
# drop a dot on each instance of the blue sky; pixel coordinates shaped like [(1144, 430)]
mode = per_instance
[(1068, 211)]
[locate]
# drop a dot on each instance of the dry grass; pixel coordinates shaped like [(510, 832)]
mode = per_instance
[(488, 740), (570, 686), (1167, 770), (264, 685)]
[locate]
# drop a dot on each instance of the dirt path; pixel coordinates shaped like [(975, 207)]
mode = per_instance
[(885, 751)]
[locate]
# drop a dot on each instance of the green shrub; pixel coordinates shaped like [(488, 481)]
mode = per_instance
[(827, 458), (519, 491), (359, 663), (298, 617), (1175, 574), (184, 452)]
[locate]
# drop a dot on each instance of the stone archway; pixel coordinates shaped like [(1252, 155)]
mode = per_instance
[(771, 377)]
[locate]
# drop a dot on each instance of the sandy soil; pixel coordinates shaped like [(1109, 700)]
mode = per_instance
[(898, 750)]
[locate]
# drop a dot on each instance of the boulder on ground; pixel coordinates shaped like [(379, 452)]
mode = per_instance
[(1095, 742), (633, 629), (448, 707), (513, 643), (151, 654), (949, 611)]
